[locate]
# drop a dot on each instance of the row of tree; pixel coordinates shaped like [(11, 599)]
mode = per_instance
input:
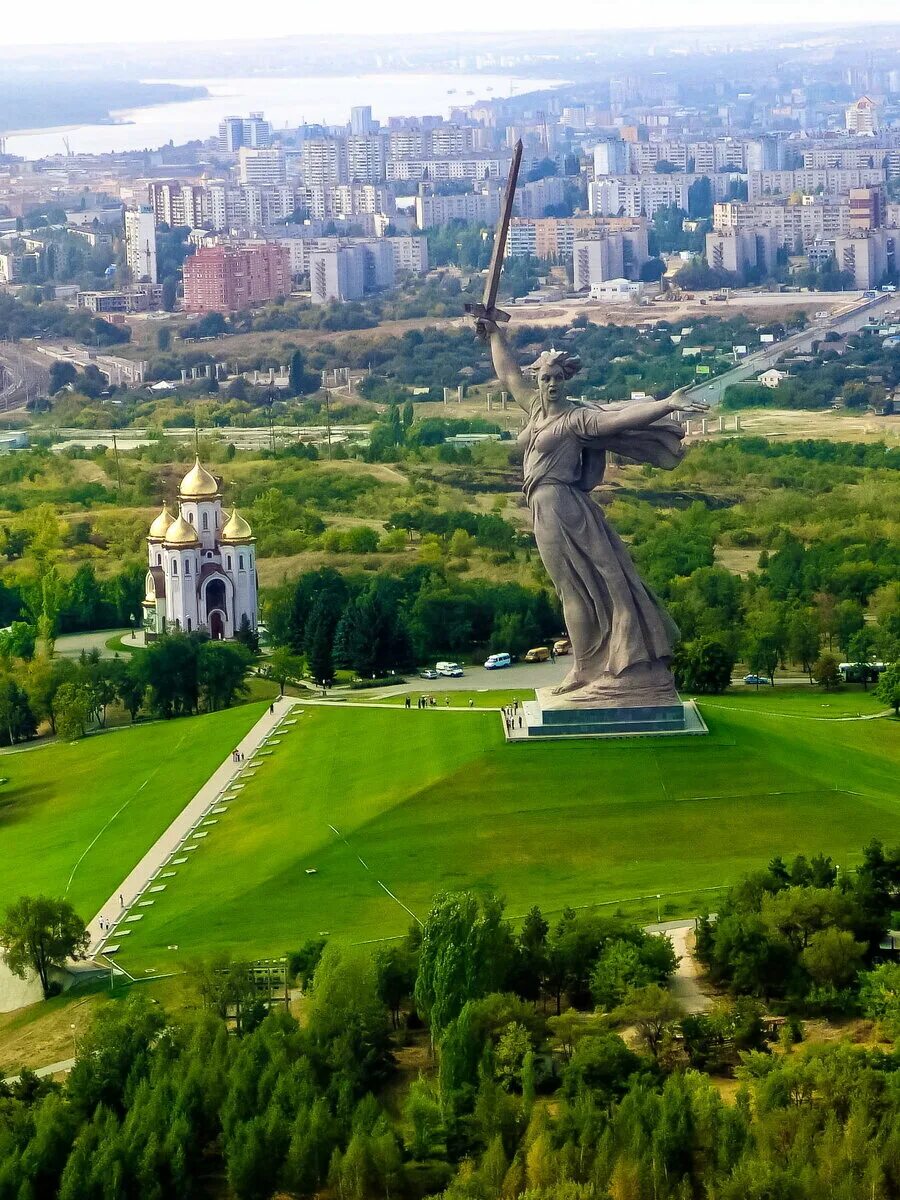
[(175, 676)]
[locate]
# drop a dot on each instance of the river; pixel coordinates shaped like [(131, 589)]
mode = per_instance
[(285, 102)]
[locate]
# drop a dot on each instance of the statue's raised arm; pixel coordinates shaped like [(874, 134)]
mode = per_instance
[(512, 378)]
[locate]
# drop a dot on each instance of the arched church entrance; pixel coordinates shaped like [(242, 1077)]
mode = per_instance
[(216, 625)]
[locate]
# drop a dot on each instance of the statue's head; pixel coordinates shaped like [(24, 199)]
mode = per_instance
[(552, 369)]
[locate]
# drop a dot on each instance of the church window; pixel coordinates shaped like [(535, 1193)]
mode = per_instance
[(159, 560), (189, 624), (205, 521), (240, 562), (174, 566), (217, 519), (229, 562), (187, 566), (191, 518)]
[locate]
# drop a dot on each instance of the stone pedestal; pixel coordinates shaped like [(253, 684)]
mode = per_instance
[(549, 716)]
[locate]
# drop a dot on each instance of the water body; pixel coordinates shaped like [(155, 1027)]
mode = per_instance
[(285, 102)]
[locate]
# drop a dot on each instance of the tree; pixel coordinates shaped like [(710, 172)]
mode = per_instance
[(283, 666), (247, 636), (163, 338), (879, 994), (74, 706), (833, 957), (301, 381), (825, 671), (221, 668), (467, 949), (61, 374), (703, 666), (39, 933), (16, 717), (652, 1010), (888, 689), (319, 639)]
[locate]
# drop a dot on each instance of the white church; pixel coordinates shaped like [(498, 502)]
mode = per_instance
[(202, 565)]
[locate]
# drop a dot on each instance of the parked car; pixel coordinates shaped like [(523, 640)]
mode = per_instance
[(428, 673), (562, 646), (494, 662), (538, 654), (757, 679), (450, 670)]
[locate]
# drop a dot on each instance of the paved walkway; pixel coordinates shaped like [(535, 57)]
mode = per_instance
[(132, 888), (58, 1068)]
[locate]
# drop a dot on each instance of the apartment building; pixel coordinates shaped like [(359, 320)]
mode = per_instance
[(532, 199), (230, 207), (323, 163), (829, 181), (140, 243), (337, 275), (229, 278), (555, 237), (261, 167), (868, 255), (365, 158), (797, 226), (143, 297), (475, 208), (178, 204), (473, 166), (742, 250), (409, 253)]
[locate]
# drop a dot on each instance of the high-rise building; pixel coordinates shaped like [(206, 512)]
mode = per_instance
[(610, 157), (253, 131), (365, 158), (337, 274), (361, 122), (323, 162), (140, 243), (262, 167), (861, 117), (866, 208), (176, 203), (230, 278)]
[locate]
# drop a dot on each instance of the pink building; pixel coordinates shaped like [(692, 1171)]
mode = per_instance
[(228, 278)]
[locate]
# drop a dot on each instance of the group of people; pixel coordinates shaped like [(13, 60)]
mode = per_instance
[(513, 716), (237, 756), (104, 922), (431, 702)]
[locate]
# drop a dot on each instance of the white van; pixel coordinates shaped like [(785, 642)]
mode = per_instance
[(450, 669), (494, 661)]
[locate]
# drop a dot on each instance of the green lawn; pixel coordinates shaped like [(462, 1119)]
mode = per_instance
[(122, 788), (429, 800)]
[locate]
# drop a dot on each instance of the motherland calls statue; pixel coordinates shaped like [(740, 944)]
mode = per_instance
[(622, 638)]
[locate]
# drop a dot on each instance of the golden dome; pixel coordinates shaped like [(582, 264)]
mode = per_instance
[(181, 533), (236, 529), (161, 524), (198, 483)]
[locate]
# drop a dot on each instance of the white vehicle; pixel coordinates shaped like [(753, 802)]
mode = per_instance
[(822, 314), (494, 662), (451, 670)]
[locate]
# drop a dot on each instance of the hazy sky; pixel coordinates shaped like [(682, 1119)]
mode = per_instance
[(173, 20)]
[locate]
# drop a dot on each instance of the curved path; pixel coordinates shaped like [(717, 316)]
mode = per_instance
[(132, 888)]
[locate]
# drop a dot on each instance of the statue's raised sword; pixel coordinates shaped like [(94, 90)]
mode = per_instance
[(487, 309)]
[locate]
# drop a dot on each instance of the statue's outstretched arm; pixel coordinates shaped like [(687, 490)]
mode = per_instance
[(508, 370)]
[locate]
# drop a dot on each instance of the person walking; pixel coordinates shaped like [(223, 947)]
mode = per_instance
[(407, 703), (447, 702), (471, 702), (121, 900)]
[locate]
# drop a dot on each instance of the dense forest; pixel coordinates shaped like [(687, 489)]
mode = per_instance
[(553, 1063)]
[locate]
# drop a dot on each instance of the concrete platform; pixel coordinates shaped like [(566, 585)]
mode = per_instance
[(664, 720)]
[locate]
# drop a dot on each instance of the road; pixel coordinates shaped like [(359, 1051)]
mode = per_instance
[(844, 320), (685, 983), (70, 645)]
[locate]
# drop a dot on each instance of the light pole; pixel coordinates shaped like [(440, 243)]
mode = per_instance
[(658, 917)]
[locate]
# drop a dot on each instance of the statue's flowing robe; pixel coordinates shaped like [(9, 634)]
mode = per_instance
[(613, 619)]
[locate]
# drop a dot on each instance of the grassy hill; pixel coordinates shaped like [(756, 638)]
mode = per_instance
[(75, 818), (389, 807)]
